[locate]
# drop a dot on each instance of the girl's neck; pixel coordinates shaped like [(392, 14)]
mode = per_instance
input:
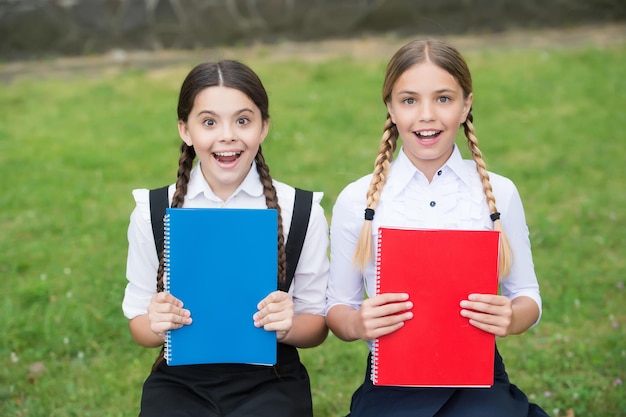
[(429, 168), (224, 191)]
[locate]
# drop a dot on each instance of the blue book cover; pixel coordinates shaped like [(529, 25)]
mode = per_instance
[(221, 263)]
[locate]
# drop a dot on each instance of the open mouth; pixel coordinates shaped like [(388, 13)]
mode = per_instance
[(428, 134), (226, 157)]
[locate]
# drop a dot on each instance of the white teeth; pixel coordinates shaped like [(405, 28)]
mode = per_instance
[(429, 133), (226, 154)]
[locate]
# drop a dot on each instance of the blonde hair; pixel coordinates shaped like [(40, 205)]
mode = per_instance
[(448, 58)]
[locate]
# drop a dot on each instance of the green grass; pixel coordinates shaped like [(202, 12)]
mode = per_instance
[(72, 149)]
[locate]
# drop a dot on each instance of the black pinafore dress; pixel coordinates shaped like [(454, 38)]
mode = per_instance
[(230, 390), (503, 399), (233, 390)]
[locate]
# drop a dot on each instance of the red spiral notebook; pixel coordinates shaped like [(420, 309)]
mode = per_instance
[(438, 269)]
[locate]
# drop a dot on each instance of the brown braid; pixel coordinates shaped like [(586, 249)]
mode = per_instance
[(363, 251), (185, 163), (506, 255), (271, 200)]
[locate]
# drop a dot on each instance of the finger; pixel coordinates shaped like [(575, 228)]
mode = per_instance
[(489, 299), (272, 322), (378, 326), (477, 306), (179, 321), (484, 318), (276, 307), (163, 326), (168, 316), (171, 324), (280, 325), (387, 298), (274, 303), (264, 317), (493, 305), (377, 332), (169, 308), (166, 298), (273, 297), (389, 321), (369, 312), (498, 325), (496, 330)]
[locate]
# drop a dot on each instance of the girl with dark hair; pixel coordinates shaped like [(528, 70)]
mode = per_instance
[(428, 94), (223, 117)]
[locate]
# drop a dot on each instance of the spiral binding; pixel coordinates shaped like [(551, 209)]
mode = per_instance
[(374, 360), (378, 257), (374, 376), (166, 278), (166, 251)]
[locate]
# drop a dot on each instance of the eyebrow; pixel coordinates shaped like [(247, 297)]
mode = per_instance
[(440, 91), (237, 113)]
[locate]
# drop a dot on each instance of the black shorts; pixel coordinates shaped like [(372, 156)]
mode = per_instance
[(230, 390)]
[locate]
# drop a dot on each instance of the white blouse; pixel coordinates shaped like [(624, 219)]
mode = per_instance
[(452, 200), (309, 284)]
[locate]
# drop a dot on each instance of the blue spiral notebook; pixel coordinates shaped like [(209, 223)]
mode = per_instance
[(221, 263)]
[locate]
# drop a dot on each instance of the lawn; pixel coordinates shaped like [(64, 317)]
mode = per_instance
[(72, 149)]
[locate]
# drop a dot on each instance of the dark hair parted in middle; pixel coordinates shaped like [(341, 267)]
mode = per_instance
[(230, 74)]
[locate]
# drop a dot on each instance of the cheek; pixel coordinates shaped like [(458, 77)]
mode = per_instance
[(462, 115), (403, 119)]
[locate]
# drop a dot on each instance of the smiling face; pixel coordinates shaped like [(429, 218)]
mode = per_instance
[(225, 128), (428, 106)]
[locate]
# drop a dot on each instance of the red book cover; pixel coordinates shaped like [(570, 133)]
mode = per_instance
[(438, 269)]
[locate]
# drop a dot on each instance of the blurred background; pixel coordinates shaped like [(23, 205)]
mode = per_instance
[(88, 92), (45, 28)]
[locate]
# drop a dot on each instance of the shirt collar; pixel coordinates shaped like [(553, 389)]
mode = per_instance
[(459, 166), (400, 174), (251, 184), (402, 170)]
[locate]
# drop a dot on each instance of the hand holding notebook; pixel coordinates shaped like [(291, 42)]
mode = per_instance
[(275, 313)]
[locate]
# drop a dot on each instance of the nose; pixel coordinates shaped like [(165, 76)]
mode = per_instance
[(228, 134), (426, 111)]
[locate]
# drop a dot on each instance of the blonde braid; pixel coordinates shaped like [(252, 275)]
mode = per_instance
[(506, 255), (363, 251), (271, 200)]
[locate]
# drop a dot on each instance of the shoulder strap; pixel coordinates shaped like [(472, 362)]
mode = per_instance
[(159, 201), (297, 232)]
